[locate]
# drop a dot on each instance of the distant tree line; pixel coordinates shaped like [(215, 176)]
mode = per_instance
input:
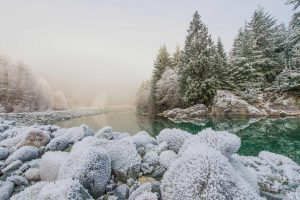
[(265, 57), (21, 91)]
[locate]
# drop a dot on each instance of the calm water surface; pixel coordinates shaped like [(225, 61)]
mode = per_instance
[(281, 135)]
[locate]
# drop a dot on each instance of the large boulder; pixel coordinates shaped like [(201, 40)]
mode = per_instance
[(223, 141), (226, 103), (144, 192), (125, 160), (67, 189), (276, 174), (36, 138), (166, 158), (204, 173), (4, 152), (173, 137), (25, 153), (91, 166), (50, 164), (6, 189)]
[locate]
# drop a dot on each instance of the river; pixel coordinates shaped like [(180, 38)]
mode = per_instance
[(280, 135)]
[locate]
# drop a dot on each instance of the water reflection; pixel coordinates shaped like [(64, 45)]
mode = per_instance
[(280, 135)]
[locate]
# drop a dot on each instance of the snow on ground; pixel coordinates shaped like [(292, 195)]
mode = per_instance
[(49, 162)]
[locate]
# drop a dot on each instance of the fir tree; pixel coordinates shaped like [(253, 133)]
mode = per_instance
[(162, 61), (176, 58), (221, 50), (197, 84)]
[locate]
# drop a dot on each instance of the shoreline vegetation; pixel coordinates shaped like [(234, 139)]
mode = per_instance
[(261, 72), (49, 162)]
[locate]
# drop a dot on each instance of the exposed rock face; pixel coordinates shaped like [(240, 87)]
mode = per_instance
[(196, 111), (226, 103)]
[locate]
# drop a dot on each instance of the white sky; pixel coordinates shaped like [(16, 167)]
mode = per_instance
[(91, 47)]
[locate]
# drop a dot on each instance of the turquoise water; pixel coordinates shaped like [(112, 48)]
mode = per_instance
[(281, 135)]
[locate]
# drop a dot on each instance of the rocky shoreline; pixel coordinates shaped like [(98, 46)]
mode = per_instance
[(226, 103), (47, 117), (49, 162)]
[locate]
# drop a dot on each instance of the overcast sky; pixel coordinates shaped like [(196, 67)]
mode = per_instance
[(90, 47)]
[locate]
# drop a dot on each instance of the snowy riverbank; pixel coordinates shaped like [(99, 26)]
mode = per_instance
[(48, 162), (48, 117)]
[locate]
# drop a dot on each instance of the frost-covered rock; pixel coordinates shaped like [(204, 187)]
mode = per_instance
[(25, 153), (12, 137), (162, 147), (226, 103), (33, 174), (105, 132), (275, 173), (174, 138), (91, 166), (125, 160), (6, 189), (67, 189), (151, 158), (4, 152), (166, 158), (204, 173), (36, 138), (143, 192), (141, 139), (18, 180), (59, 143), (293, 195), (12, 166), (122, 192), (196, 111), (223, 141), (50, 164)]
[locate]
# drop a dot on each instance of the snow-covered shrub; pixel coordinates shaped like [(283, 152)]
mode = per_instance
[(25, 153), (50, 164), (204, 173), (174, 138), (167, 94), (223, 141), (91, 166), (166, 158)]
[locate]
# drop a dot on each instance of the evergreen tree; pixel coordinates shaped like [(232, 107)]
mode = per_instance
[(176, 58), (294, 38), (221, 50), (197, 84), (258, 54), (162, 61)]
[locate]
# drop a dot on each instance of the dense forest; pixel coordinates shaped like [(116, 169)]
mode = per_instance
[(265, 57), (21, 91)]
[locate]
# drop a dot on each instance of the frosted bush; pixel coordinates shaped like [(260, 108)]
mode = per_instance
[(166, 158), (174, 138), (91, 166), (23, 154), (204, 173), (223, 141), (50, 164)]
